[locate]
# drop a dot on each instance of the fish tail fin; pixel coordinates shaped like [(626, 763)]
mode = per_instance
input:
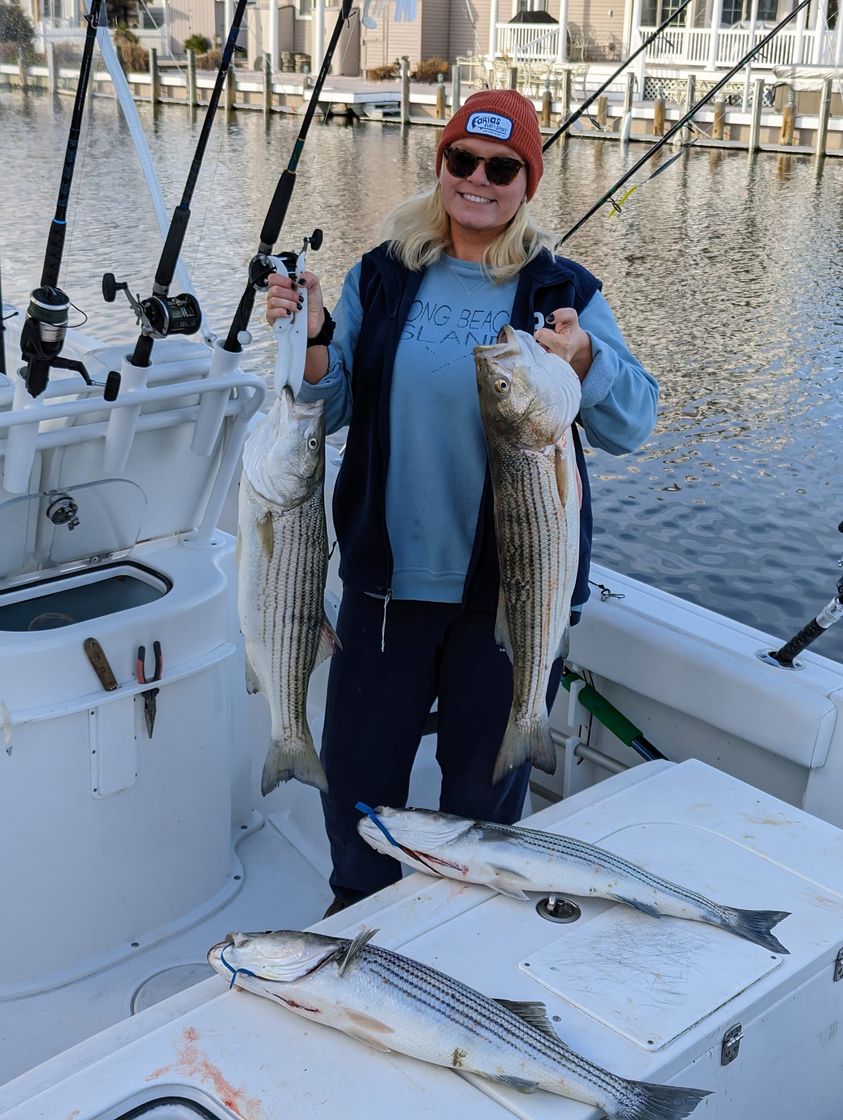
[(755, 926), (294, 757), (530, 743), (646, 1101)]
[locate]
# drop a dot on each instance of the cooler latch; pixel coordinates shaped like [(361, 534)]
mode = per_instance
[(731, 1044), (838, 967)]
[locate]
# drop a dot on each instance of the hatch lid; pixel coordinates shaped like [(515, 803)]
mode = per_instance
[(54, 529), (647, 979)]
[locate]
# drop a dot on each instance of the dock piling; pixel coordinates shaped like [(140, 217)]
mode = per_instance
[(547, 106), (629, 93), (690, 98), (658, 117), (565, 98), (601, 115), (456, 91), (192, 97), (718, 129), (405, 89), (440, 96), (788, 118), (755, 123), (230, 89), (267, 84), (822, 121), (52, 69), (154, 77)]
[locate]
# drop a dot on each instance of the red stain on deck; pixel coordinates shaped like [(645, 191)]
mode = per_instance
[(192, 1062)]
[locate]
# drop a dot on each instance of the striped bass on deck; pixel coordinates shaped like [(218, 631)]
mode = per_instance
[(282, 559), (513, 860), (392, 1002), (528, 402)]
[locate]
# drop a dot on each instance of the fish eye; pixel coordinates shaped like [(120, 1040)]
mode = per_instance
[(313, 443), (501, 385)]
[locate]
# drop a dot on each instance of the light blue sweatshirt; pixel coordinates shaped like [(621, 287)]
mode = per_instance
[(437, 459)]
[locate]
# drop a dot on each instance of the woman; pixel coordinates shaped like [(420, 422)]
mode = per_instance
[(412, 503)]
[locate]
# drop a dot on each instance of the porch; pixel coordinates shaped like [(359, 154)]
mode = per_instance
[(712, 47)]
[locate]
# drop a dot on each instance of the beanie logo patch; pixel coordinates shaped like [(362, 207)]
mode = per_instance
[(490, 124)]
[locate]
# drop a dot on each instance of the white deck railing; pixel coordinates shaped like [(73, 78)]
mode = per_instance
[(678, 46), (691, 45)]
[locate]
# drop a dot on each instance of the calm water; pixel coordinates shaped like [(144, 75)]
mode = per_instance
[(725, 273)]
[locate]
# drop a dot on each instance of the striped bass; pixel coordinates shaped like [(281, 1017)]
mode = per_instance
[(392, 1002), (513, 860), (282, 560), (528, 402)]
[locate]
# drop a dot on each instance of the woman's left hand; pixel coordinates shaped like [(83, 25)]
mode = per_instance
[(565, 337)]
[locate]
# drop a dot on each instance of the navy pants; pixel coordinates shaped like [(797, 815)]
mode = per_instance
[(376, 708)]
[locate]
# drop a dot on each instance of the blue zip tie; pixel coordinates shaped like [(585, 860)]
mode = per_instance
[(373, 816), (235, 971)]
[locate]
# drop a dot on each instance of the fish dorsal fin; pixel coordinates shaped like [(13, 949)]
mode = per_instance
[(362, 938), (329, 643), (502, 637), (533, 1013)]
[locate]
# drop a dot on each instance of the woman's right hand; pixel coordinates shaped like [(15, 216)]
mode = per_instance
[(283, 299)]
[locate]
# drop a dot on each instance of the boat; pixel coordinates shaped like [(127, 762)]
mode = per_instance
[(135, 836)]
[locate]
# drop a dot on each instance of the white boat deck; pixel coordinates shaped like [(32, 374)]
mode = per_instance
[(280, 889), (240, 1055)]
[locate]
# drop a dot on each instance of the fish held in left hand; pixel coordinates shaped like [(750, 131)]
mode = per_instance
[(282, 559), (528, 402), (513, 860), (392, 1002)]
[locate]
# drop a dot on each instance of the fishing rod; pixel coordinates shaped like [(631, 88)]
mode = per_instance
[(263, 263), (685, 119), (832, 612), (572, 118), (44, 330), (162, 314)]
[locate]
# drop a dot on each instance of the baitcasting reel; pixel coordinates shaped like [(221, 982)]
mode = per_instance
[(160, 315)]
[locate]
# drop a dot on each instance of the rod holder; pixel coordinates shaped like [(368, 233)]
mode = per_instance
[(123, 421), (21, 440), (212, 406)]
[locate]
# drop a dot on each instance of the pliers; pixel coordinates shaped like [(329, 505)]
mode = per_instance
[(150, 697)]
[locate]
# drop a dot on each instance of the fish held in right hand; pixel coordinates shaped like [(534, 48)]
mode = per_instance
[(282, 556)]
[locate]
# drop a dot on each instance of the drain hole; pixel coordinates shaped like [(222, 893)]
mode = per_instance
[(556, 909)]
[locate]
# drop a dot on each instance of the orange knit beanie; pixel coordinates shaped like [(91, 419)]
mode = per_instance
[(503, 115)]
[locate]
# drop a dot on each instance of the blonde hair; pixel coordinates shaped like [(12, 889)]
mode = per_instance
[(419, 232)]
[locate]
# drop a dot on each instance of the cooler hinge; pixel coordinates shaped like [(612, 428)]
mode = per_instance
[(731, 1044)]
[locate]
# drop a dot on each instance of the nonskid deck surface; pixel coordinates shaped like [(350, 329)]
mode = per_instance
[(281, 889)]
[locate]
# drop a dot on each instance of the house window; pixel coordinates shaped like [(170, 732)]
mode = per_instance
[(654, 12), (532, 6), (740, 11), (305, 8)]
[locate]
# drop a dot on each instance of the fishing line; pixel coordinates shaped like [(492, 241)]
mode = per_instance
[(375, 819), (222, 135), (235, 972), (79, 180), (684, 119)]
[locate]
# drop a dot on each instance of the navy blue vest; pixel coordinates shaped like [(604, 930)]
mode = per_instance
[(387, 291)]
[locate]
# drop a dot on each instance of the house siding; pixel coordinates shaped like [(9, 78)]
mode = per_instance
[(192, 17)]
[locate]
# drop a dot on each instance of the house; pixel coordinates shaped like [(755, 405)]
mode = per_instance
[(710, 34)]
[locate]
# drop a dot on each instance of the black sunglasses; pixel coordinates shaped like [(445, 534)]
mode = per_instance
[(500, 170)]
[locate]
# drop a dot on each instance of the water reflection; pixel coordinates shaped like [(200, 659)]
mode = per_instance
[(724, 272)]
